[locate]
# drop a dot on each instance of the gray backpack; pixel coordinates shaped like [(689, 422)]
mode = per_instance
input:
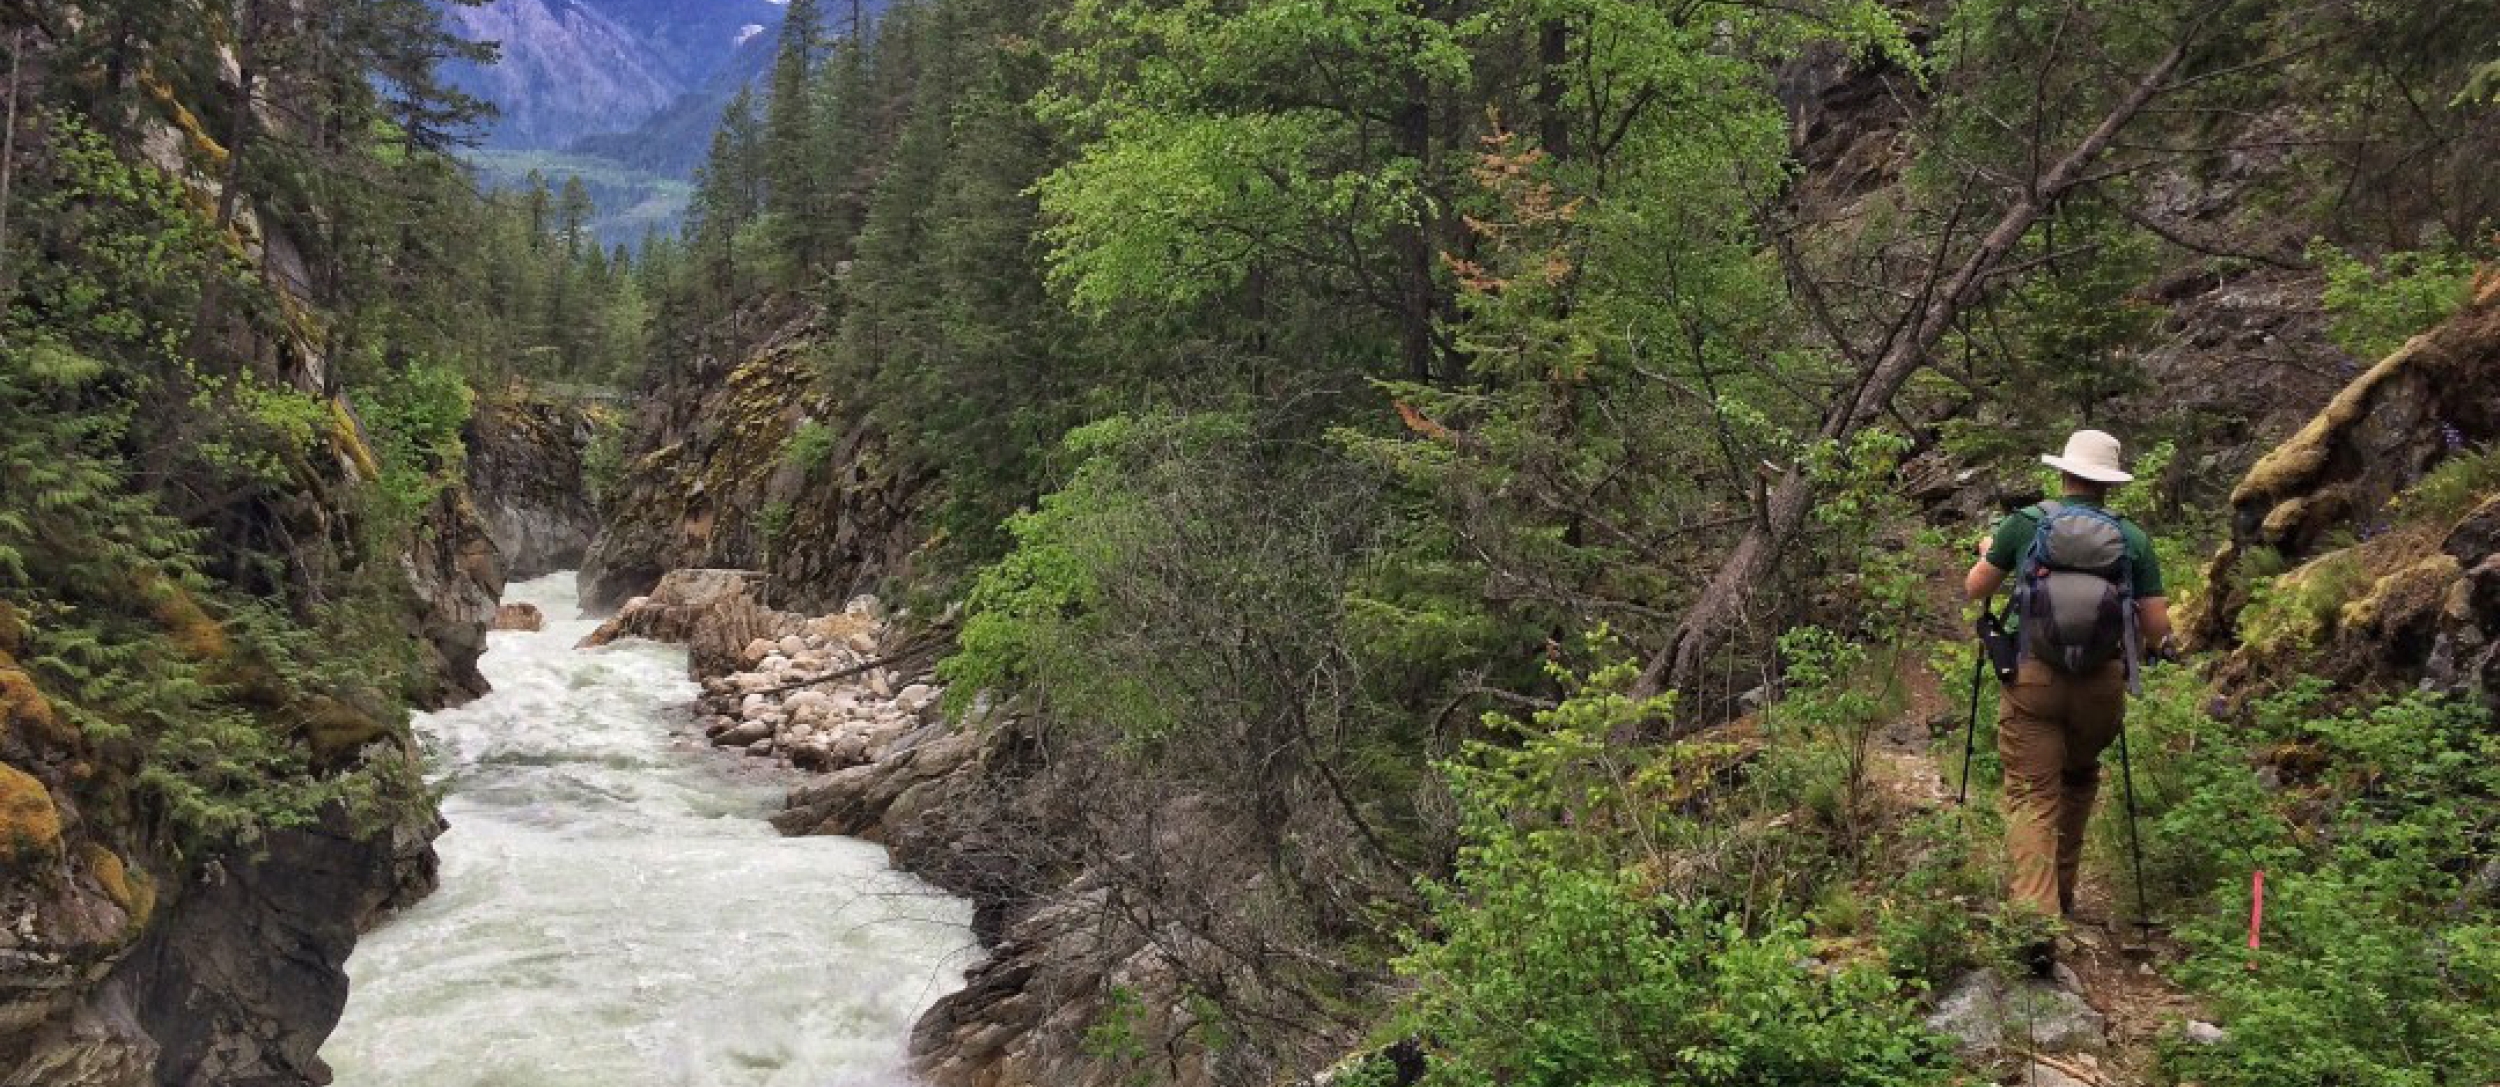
[(2075, 591)]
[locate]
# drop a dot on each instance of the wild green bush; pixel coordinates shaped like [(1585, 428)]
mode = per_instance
[(2451, 490), (2372, 311), (2293, 611), (810, 447), (416, 416), (603, 462), (1557, 958), (2376, 964)]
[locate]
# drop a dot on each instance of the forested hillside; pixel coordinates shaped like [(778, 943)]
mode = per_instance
[(1456, 505), (1443, 521)]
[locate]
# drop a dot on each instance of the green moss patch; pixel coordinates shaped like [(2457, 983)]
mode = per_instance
[(30, 824)]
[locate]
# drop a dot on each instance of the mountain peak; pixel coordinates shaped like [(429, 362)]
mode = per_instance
[(576, 68)]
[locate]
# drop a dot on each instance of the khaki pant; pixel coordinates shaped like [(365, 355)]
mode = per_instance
[(2051, 730)]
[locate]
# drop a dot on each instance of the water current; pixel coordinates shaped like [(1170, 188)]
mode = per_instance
[(614, 911)]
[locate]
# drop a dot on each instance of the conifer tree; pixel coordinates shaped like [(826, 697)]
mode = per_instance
[(792, 182)]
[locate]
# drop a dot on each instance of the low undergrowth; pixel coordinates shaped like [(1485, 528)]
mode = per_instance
[(2378, 960), (1607, 924)]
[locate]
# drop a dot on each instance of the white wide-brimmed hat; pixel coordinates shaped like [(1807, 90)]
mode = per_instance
[(2091, 455)]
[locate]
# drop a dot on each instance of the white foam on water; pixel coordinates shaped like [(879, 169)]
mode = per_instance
[(615, 912)]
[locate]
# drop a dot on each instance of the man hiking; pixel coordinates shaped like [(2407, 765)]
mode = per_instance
[(2088, 597)]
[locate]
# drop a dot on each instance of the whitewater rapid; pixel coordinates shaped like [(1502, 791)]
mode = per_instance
[(614, 911)]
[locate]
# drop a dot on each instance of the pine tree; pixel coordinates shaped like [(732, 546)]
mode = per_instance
[(792, 183), (728, 197)]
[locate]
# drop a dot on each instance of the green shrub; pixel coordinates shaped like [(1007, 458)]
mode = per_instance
[(2452, 489), (2293, 612), (2373, 311), (811, 446), (603, 462), (1924, 921), (1558, 962), (416, 416), (2372, 971)]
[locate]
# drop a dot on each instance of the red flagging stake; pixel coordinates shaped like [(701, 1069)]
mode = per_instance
[(2256, 913)]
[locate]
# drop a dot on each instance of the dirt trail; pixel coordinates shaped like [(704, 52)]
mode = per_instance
[(2117, 966)]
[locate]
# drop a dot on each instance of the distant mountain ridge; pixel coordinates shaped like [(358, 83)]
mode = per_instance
[(572, 69)]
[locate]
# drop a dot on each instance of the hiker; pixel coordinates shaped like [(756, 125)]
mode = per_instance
[(2079, 573)]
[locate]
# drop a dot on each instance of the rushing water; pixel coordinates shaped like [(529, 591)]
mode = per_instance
[(615, 912)]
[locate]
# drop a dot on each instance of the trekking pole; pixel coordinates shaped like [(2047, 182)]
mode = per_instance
[(1970, 736), (2135, 843), (1978, 677)]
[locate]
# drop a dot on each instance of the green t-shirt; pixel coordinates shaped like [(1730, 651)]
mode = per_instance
[(2015, 533)]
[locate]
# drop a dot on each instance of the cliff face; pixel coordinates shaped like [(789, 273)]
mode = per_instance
[(525, 477), (739, 459), (129, 958), (148, 935)]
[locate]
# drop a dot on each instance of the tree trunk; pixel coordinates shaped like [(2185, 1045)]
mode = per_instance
[(1553, 52), (1415, 309), (1723, 603), (8, 159)]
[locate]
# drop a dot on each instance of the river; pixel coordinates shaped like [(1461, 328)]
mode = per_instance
[(614, 911)]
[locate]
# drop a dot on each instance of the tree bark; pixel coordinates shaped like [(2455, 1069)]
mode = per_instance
[(8, 158), (1553, 52), (1724, 602)]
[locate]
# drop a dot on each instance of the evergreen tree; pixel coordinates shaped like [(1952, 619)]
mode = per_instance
[(792, 180)]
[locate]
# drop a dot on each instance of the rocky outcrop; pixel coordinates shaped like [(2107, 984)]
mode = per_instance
[(2380, 434), (713, 613), (457, 576), (525, 474), (521, 617), (741, 458), (245, 979), (2341, 563), (72, 905), (122, 968)]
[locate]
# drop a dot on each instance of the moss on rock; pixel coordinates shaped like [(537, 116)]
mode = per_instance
[(336, 730), (30, 822), (129, 888), (25, 714)]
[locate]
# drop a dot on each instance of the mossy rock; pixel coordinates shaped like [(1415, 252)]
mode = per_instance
[(24, 711), (129, 888), (350, 441), (336, 729), (30, 823), (2415, 593)]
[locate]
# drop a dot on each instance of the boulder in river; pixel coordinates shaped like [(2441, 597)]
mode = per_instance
[(523, 617), (713, 613)]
